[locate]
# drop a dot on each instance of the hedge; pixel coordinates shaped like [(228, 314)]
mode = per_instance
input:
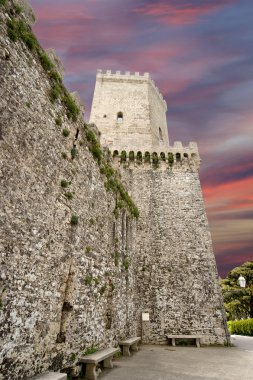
[(243, 327)]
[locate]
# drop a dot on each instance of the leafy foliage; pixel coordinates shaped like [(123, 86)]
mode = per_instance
[(72, 109), (90, 350), (244, 327), (45, 61), (238, 301)]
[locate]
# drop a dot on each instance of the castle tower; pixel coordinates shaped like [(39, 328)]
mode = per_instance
[(130, 111), (177, 275)]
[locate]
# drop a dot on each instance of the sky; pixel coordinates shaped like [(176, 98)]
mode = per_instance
[(200, 54)]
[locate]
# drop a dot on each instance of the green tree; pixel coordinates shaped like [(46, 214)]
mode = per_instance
[(238, 301)]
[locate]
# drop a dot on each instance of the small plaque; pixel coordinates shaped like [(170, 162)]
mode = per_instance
[(145, 316)]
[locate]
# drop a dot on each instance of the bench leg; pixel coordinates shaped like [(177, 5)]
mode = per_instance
[(108, 362), (90, 373), (135, 347), (126, 351), (198, 342), (173, 342)]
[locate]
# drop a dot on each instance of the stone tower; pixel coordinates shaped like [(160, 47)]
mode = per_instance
[(129, 111), (176, 275)]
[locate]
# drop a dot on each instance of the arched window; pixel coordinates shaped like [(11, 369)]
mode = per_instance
[(160, 134), (119, 117)]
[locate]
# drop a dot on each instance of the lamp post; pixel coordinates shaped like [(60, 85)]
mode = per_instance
[(242, 281)]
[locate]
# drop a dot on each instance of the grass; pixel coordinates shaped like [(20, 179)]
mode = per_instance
[(102, 290), (2, 2), (17, 9), (54, 93), (58, 121), (65, 132), (90, 350), (125, 264), (88, 280), (18, 30), (72, 109), (45, 61), (64, 155), (73, 153), (64, 183), (74, 220), (72, 357), (69, 195), (116, 259), (88, 249)]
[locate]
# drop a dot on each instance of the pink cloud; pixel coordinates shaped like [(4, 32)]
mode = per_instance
[(175, 14)]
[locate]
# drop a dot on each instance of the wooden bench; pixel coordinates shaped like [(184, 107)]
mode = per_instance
[(131, 342), (174, 337), (51, 376), (92, 361)]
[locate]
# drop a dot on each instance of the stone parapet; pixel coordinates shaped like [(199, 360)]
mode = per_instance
[(174, 155)]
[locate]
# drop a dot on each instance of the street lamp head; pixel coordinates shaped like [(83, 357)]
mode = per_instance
[(242, 281)]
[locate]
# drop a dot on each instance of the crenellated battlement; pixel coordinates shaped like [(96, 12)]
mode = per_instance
[(127, 75), (176, 155)]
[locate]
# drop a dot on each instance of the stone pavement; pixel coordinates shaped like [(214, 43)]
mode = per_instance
[(186, 363)]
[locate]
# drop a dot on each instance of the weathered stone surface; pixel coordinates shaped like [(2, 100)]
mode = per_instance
[(177, 278), (65, 288), (60, 289)]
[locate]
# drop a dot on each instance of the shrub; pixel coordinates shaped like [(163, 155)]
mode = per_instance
[(58, 121), (73, 153), (69, 195), (96, 152), (45, 61), (64, 183), (54, 93), (54, 76), (88, 249), (2, 2), (64, 155), (17, 29), (30, 40), (90, 136), (74, 220), (72, 109), (65, 132), (243, 327), (18, 9), (107, 170)]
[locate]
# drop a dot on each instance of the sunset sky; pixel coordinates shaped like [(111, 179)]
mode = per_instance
[(200, 54)]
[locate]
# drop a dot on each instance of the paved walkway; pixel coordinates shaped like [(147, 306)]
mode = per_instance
[(186, 363)]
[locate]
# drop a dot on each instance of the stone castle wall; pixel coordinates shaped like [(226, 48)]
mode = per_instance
[(63, 288), (176, 275)]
